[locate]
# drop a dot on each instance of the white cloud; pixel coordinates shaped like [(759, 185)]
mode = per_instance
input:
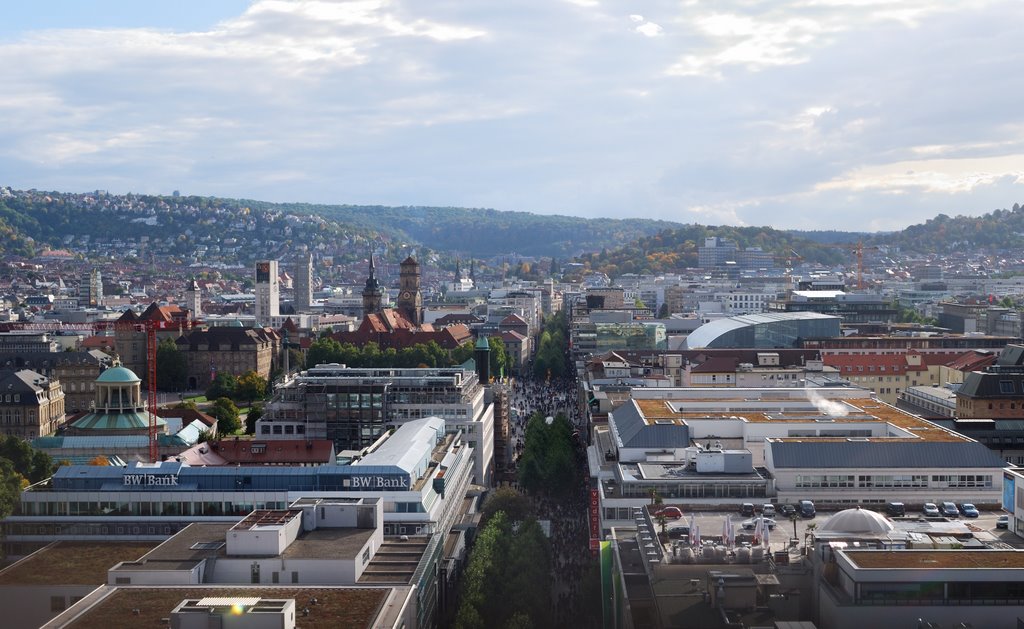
[(739, 111), (947, 176), (650, 29)]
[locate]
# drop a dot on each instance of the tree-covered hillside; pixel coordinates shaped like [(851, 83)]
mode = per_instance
[(675, 249), (484, 232), (48, 218), (997, 230)]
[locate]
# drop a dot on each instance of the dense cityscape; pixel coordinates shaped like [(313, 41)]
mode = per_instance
[(341, 434), (554, 314)]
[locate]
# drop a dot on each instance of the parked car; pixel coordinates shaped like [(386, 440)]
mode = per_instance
[(747, 509), (806, 509), (896, 509), (768, 510), (968, 510), (788, 510), (949, 510), (672, 513), (1003, 522), (930, 510), (749, 525)]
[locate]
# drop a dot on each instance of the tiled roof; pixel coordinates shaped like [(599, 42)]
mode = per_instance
[(893, 364)]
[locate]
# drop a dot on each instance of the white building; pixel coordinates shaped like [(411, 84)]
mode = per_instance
[(268, 291)]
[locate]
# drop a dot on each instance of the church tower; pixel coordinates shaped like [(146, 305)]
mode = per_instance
[(410, 299), (372, 292), (194, 299)]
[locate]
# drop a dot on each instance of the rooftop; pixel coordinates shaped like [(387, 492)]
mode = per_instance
[(72, 563), (932, 559), (774, 407), (334, 608), (207, 539)]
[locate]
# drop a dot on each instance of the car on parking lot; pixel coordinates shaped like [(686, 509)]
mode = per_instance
[(949, 510), (747, 509), (968, 510), (751, 524), (1003, 522), (930, 510), (768, 510), (896, 509), (787, 510), (671, 513), (806, 509)]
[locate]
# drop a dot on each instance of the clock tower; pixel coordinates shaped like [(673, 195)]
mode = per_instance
[(410, 299)]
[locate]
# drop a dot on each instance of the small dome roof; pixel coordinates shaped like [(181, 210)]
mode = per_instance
[(118, 374), (857, 521), (483, 343)]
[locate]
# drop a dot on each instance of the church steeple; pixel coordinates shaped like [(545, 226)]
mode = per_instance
[(458, 271), (372, 292)]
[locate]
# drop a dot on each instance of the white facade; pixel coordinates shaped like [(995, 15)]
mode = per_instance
[(268, 291)]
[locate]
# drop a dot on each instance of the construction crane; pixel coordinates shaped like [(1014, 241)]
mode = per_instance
[(859, 250)]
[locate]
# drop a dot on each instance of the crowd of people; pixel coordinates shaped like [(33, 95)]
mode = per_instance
[(569, 531)]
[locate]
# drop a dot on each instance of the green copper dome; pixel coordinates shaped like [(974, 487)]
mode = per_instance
[(118, 374), (482, 343)]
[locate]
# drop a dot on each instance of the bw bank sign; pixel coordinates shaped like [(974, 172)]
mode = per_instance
[(151, 480), (379, 482)]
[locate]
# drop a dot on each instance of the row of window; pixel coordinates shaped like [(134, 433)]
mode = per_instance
[(812, 481), (283, 429)]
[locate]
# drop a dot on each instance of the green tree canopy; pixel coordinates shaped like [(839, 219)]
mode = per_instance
[(509, 501), (11, 484), (34, 465), (227, 416), (254, 414), (251, 386), (223, 385)]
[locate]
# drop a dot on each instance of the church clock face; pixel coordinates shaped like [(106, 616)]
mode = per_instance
[(406, 295)]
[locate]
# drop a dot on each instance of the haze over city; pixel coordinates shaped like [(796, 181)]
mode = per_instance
[(859, 115)]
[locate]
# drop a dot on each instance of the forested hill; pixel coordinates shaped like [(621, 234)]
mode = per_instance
[(995, 231), (675, 249), (485, 232), (33, 220)]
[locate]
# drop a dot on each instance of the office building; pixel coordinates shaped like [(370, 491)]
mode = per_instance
[(304, 282), (268, 292), (354, 407)]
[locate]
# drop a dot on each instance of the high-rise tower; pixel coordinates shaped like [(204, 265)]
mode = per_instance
[(268, 292), (90, 289), (304, 283)]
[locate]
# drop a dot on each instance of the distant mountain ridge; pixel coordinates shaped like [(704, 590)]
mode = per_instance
[(32, 219)]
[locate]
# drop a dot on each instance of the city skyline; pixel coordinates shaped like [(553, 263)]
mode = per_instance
[(813, 114)]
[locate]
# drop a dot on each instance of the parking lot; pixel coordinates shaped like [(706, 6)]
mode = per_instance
[(710, 524)]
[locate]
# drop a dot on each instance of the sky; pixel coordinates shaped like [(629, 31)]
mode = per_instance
[(810, 114)]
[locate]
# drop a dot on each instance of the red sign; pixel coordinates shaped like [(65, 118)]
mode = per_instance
[(595, 518)]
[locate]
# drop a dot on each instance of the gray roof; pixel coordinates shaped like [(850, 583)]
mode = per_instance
[(705, 335), (631, 430), (874, 454), (408, 448)]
